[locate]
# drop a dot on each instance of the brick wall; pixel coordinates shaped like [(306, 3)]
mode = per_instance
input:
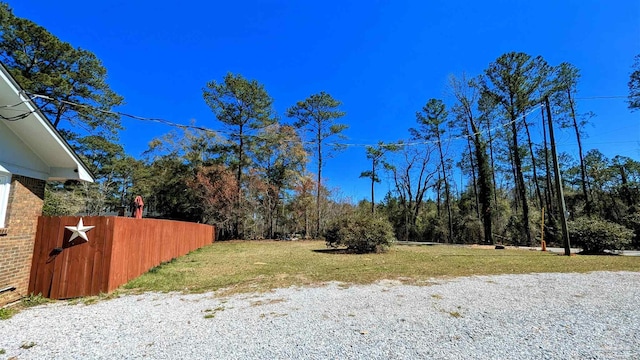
[(26, 198)]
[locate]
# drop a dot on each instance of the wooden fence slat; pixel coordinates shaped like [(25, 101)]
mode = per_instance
[(98, 258), (59, 261), (110, 225), (116, 256), (119, 249)]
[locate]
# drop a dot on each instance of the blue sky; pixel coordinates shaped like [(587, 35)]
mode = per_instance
[(382, 59)]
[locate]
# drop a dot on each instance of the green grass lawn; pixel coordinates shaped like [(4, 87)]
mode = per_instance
[(247, 266)]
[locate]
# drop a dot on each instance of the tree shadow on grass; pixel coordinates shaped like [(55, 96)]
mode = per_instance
[(334, 251), (600, 253)]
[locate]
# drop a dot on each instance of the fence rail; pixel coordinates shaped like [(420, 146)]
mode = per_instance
[(119, 249)]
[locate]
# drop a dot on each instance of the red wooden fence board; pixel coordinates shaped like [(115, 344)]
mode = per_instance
[(119, 249)]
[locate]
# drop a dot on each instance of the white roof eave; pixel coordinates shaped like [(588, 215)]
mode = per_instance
[(39, 135)]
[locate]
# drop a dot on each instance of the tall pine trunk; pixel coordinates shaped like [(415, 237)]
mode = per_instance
[(516, 198), (447, 191), (522, 190), (270, 217), (484, 182), (237, 231), (583, 171), (317, 234), (493, 167), (438, 195), (549, 189), (473, 176), (533, 163), (373, 182)]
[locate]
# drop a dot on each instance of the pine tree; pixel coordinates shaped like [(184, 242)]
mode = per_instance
[(317, 115)]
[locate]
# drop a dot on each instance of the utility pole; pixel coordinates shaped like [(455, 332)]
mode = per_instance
[(559, 192)]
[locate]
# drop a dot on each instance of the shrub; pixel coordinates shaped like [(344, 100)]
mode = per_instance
[(61, 202), (361, 233), (6, 313), (34, 300), (514, 231), (468, 230), (435, 230), (632, 221), (595, 236)]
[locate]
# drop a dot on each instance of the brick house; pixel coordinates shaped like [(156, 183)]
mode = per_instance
[(31, 153)]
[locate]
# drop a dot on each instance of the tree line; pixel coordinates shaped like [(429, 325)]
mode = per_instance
[(252, 178), (508, 172)]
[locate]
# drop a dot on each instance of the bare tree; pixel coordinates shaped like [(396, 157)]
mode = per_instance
[(412, 177), (467, 94), (431, 121)]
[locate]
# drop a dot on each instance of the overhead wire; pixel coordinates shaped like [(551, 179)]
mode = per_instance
[(602, 97), (400, 143), (14, 105), (21, 116), (17, 117), (599, 142), (450, 138), (119, 113)]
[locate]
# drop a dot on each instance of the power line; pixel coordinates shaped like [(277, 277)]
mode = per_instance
[(600, 143), (19, 116), (449, 139), (118, 113), (212, 131), (208, 130), (14, 105), (601, 97)]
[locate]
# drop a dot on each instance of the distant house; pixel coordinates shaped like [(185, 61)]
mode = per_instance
[(31, 153)]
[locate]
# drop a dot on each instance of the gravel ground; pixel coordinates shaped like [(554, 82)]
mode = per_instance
[(537, 316)]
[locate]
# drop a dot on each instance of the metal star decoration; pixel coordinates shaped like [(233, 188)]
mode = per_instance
[(79, 231)]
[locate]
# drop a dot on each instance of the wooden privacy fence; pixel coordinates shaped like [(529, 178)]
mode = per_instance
[(119, 249)]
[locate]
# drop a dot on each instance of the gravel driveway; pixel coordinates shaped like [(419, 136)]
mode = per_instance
[(537, 316)]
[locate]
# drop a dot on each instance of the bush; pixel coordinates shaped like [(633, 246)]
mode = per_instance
[(632, 221), (468, 230), (595, 236), (515, 231), (34, 300), (435, 230), (61, 202), (6, 313), (361, 233)]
